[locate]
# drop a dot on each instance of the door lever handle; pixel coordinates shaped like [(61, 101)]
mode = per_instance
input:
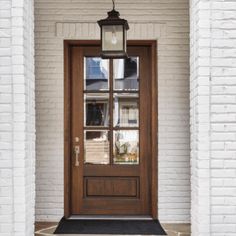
[(77, 152)]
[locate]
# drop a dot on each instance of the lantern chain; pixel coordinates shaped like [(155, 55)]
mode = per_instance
[(113, 2)]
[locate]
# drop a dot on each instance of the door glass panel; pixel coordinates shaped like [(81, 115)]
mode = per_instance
[(126, 74), (126, 147), (96, 74), (126, 110), (96, 109), (96, 146)]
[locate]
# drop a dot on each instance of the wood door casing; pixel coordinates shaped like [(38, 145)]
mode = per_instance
[(110, 189)]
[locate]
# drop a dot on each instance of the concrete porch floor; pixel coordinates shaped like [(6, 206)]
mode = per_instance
[(47, 229)]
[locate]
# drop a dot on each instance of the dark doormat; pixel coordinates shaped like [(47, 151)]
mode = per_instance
[(144, 227)]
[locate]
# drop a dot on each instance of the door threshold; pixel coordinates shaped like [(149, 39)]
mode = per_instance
[(108, 217)]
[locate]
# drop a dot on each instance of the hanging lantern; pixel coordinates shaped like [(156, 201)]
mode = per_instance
[(113, 35)]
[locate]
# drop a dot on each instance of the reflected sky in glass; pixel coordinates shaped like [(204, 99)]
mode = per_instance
[(96, 73)]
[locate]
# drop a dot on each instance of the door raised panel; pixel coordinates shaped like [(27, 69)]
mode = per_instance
[(111, 187)]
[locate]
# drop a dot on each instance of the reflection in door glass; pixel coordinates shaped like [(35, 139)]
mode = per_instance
[(126, 110), (126, 74), (96, 146), (97, 109), (96, 74), (126, 147)]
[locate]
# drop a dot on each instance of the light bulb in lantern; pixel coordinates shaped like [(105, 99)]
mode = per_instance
[(113, 37)]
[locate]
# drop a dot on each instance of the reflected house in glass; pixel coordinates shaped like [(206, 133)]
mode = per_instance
[(126, 110), (96, 147), (126, 74), (96, 79), (126, 105)]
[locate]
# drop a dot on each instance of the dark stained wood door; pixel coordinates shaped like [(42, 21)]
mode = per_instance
[(110, 133)]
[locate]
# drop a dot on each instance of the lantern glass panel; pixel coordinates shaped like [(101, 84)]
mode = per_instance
[(112, 38)]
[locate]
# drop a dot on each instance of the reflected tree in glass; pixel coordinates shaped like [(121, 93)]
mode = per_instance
[(126, 147)]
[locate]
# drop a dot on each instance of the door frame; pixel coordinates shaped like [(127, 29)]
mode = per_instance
[(152, 44)]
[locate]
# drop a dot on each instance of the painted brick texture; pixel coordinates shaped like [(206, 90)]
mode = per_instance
[(223, 118), (17, 118), (200, 117), (6, 123), (213, 117), (164, 20)]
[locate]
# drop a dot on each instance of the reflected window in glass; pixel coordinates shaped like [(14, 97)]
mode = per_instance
[(126, 74), (97, 109), (126, 110), (96, 73)]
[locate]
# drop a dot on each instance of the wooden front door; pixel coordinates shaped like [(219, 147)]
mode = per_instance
[(109, 133)]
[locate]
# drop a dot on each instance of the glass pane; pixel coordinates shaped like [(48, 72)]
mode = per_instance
[(126, 147), (112, 37), (126, 110), (96, 146), (96, 73), (126, 74), (96, 109)]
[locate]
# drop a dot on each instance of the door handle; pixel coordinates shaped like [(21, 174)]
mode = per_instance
[(77, 152)]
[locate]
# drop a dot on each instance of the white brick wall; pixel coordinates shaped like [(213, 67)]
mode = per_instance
[(213, 117), (17, 118), (165, 20), (200, 116), (223, 118), (6, 123)]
